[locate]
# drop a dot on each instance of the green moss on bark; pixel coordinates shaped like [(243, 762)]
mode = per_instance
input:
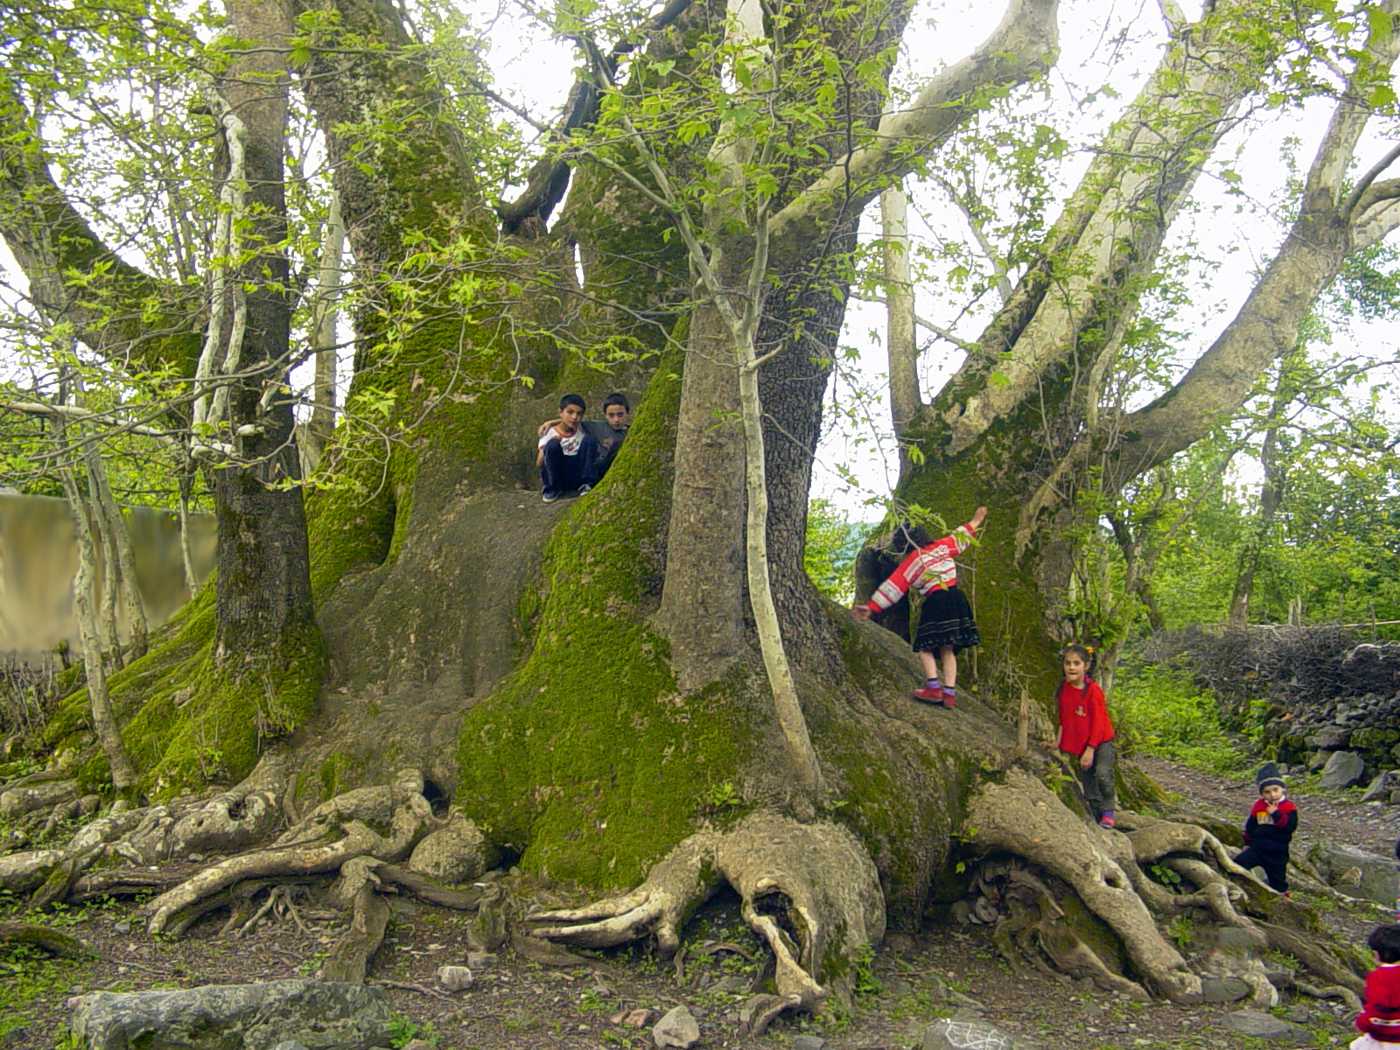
[(587, 760), (186, 722)]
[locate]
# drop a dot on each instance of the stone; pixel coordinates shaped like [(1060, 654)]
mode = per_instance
[(1223, 989), (1357, 872), (1395, 797), (457, 852), (676, 1029), (1298, 1014), (734, 984), (638, 1018), (39, 794), (1330, 738), (1240, 940), (808, 1042), (954, 1034), (1258, 1025), (1318, 759), (318, 1014), (455, 978), (1342, 770), (1382, 787)]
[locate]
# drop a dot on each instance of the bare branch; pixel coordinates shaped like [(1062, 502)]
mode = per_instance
[(1022, 46), (1364, 184)]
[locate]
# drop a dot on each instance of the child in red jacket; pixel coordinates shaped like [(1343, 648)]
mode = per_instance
[(1379, 1019), (1086, 734), (1269, 829)]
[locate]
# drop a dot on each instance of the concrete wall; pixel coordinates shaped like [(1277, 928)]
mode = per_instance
[(39, 555)]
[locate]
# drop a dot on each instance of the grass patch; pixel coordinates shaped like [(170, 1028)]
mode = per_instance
[(1162, 712)]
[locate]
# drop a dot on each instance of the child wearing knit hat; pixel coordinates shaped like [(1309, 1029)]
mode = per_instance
[(1269, 828)]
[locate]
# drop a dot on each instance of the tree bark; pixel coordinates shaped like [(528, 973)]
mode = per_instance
[(263, 588), (901, 348)]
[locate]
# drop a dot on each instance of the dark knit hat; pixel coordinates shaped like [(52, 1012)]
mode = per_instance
[(1269, 774)]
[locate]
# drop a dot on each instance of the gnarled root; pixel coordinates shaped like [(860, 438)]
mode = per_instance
[(1036, 927), (331, 835), (1021, 816), (810, 891)]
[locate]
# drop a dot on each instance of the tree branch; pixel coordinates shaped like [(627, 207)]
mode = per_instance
[(1022, 46), (75, 277)]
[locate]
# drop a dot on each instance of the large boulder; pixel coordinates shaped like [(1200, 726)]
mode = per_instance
[(457, 852), (318, 1014), (1343, 769), (1357, 872)]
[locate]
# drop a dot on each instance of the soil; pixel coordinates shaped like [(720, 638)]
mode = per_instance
[(945, 970)]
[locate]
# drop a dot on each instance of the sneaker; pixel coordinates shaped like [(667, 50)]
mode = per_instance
[(549, 497), (950, 696), (584, 488), (929, 694), (1107, 821)]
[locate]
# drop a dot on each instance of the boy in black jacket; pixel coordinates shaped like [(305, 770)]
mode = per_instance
[(1267, 832)]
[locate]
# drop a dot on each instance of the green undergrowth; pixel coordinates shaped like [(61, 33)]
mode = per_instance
[(1161, 712), (187, 722)]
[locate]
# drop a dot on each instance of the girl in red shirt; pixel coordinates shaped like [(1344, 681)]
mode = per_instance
[(1379, 1019), (1086, 733)]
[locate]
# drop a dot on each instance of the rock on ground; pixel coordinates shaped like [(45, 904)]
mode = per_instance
[(1343, 769), (1357, 872), (318, 1014), (458, 852), (954, 1034), (677, 1029), (1259, 1025)]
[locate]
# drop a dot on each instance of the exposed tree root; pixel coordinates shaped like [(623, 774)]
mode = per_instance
[(1035, 928), (349, 959), (810, 891), (46, 938), (1313, 953), (334, 833), (1020, 815)]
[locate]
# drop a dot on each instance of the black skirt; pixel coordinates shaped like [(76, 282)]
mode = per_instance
[(945, 618)]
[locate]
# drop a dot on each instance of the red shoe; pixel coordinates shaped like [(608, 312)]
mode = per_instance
[(1107, 821), (928, 695), (950, 697)]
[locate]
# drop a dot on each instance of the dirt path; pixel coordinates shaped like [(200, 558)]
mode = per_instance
[(945, 970), (1321, 818)]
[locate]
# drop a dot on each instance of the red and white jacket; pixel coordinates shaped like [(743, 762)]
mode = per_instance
[(1380, 1016), (927, 569)]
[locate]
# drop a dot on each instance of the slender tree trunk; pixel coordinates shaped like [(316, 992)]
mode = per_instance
[(900, 346), (1271, 492), (186, 483), (118, 544), (264, 589), (104, 723), (317, 432), (105, 542)]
